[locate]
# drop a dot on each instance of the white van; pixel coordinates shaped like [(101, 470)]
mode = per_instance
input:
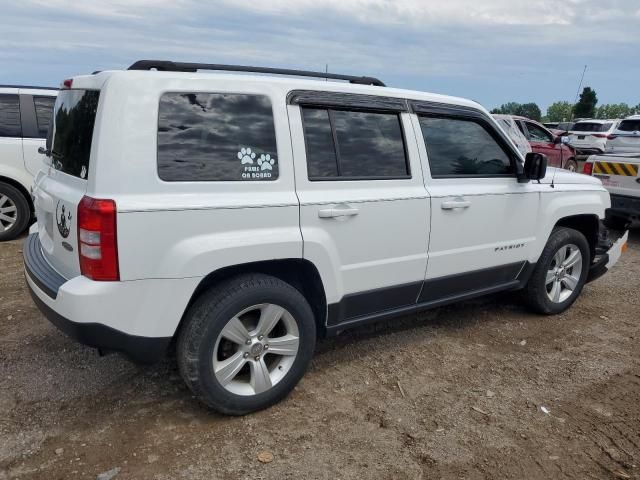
[(25, 113)]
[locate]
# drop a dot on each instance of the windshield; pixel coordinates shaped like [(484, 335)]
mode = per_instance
[(74, 116)]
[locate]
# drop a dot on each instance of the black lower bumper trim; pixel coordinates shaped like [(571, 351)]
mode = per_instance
[(598, 268), (143, 350)]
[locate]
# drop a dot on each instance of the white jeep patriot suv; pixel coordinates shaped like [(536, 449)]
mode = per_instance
[(242, 216)]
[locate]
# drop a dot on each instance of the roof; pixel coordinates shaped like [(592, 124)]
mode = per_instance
[(285, 83)]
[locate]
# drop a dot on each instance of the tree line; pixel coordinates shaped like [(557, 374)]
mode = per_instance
[(562, 111)]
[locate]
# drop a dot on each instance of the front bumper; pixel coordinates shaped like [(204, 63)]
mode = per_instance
[(47, 288), (608, 253)]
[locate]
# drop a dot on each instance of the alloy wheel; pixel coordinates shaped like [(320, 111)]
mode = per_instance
[(256, 349), (564, 273), (8, 213)]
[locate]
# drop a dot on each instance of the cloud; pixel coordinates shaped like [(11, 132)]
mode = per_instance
[(492, 50)]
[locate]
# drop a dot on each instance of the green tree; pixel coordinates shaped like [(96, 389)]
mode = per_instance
[(559, 112), (586, 106), (614, 110), (529, 110)]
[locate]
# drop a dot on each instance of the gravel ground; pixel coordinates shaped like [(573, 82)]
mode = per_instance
[(456, 392)]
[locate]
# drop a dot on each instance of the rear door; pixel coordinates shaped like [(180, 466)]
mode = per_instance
[(364, 209), (625, 138), (58, 192), (36, 111)]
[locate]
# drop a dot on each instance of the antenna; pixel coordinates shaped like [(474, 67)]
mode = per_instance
[(575, 100)]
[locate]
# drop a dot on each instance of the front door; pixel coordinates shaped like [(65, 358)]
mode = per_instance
[(364, 210), (483, 222)]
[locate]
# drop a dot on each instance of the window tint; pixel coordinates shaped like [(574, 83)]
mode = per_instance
[(216, 137), (458, 147), (591, 127), (10, 116), (321, 152), (629, 126), (538, 134), (369, 145), (74, 117), (44, 110)]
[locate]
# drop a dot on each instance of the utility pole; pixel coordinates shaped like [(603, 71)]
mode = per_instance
[(578, 92)]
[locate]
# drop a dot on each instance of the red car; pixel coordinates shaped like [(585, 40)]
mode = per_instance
[(542, 140)]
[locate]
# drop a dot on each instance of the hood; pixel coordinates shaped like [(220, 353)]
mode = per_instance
[(561, 176)]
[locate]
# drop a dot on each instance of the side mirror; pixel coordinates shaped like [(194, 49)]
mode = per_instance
[(557, 140), (535, 166)]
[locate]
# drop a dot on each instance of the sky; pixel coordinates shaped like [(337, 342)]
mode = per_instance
[(492, 51)]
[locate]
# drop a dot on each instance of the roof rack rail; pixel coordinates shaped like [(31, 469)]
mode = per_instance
[(168, 66)]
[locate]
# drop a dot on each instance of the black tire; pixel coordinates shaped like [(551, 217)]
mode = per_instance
[(22, 212), (536, 289), (209, 315), (571, 165)]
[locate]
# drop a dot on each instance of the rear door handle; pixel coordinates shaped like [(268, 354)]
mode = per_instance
[(336, 212), (452, 204)]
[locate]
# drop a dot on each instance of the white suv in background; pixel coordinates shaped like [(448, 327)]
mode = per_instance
[(25, 113), (589, 137), (241, 216), (625, 138)]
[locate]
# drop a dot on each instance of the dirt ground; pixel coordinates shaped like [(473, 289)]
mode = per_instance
[(456, 392)]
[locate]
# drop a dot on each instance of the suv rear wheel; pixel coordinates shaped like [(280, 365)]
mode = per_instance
[(560, 273), (246, 343), (14, 212)]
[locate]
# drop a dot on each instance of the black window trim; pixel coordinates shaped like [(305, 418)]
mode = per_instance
[(347, 101), (460, 112), (336, 145), (18, 97)]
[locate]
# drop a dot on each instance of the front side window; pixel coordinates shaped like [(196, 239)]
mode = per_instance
[(345, 144), (538, 134), (44, 110), (459, 147), (216, 137), (10, 116)]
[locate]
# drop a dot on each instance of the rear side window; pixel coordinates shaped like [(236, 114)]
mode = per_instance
[(44, 110), (10, 116), (460, 147), (216, 137), (629, 126), (353, 145), (74, 116)]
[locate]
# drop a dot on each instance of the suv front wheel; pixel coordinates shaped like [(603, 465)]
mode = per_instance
[(560, 273), (246, 343)]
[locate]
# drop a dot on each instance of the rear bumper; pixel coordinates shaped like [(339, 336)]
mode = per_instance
[(137, 318)]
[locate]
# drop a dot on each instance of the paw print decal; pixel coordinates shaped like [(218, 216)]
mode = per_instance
[(266, 162), (246, 156)]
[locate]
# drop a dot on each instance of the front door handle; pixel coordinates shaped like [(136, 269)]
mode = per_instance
[(453, 204), (336, 212)]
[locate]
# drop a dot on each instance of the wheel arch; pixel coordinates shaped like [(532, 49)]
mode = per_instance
[(587, 224), (298, 272)]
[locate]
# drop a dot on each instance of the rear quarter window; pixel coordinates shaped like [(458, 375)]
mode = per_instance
[(44, 111), (216, 137), (629, 126)]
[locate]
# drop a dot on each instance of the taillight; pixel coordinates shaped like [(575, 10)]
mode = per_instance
[(611, 137), (599, 135), (97, 239), (67, 83), (588, 168)]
